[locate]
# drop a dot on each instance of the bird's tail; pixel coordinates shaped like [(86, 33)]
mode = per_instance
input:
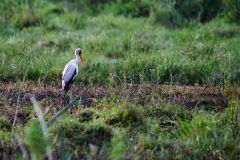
[(65, 86)]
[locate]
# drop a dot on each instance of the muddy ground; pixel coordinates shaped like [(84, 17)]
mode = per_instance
[(51, 95), (14, 95)]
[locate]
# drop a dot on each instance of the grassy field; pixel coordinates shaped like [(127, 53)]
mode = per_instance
[(162, 86), (121, 49), (117, 49)]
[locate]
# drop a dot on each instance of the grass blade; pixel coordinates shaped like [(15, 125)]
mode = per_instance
[(21, 146), (42, 123), (54, 118)]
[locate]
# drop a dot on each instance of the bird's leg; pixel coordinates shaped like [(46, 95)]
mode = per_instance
[(65, 98), (70, 96)]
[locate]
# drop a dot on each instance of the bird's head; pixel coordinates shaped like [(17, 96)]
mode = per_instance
[(78, 53)]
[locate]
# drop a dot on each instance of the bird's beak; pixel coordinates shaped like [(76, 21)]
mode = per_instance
[(81, 57)]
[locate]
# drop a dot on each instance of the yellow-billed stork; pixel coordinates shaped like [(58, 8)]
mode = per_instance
[(70, 71)]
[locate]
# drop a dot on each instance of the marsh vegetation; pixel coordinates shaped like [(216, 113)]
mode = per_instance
[(163, 79)]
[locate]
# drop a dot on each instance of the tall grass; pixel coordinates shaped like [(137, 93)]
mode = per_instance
[(40, 37), (158, 55)]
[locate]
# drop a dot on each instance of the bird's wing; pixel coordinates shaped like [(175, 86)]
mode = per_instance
[(70, 72), (65, 68)]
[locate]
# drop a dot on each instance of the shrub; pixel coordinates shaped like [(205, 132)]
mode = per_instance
[(202, 10), (87, 115), (232, 10), (27, 19), (125, 116), (80, 137), (165, 14), (95, 6), (130, 8), (178, 13), (5, 125)]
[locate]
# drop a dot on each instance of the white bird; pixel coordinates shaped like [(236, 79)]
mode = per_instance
[(70, 71)]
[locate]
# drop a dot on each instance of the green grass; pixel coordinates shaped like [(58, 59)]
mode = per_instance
[(145, 132), (114, 128), (123, 42), (115, 47)]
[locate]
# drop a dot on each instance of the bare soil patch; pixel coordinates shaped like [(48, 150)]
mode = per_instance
[(15, 94)]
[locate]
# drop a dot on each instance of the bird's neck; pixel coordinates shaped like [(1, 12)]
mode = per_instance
[(77, 59)]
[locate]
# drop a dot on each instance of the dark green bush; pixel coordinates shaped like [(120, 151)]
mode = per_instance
[(166, 15), (87, 115), (130, 8), (79, 137), (125, 116), (27, 19), (202, 10), (5, 124), (178, 13), (232, 10)]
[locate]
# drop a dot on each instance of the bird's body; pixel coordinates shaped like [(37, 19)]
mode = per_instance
[(70, 71)]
